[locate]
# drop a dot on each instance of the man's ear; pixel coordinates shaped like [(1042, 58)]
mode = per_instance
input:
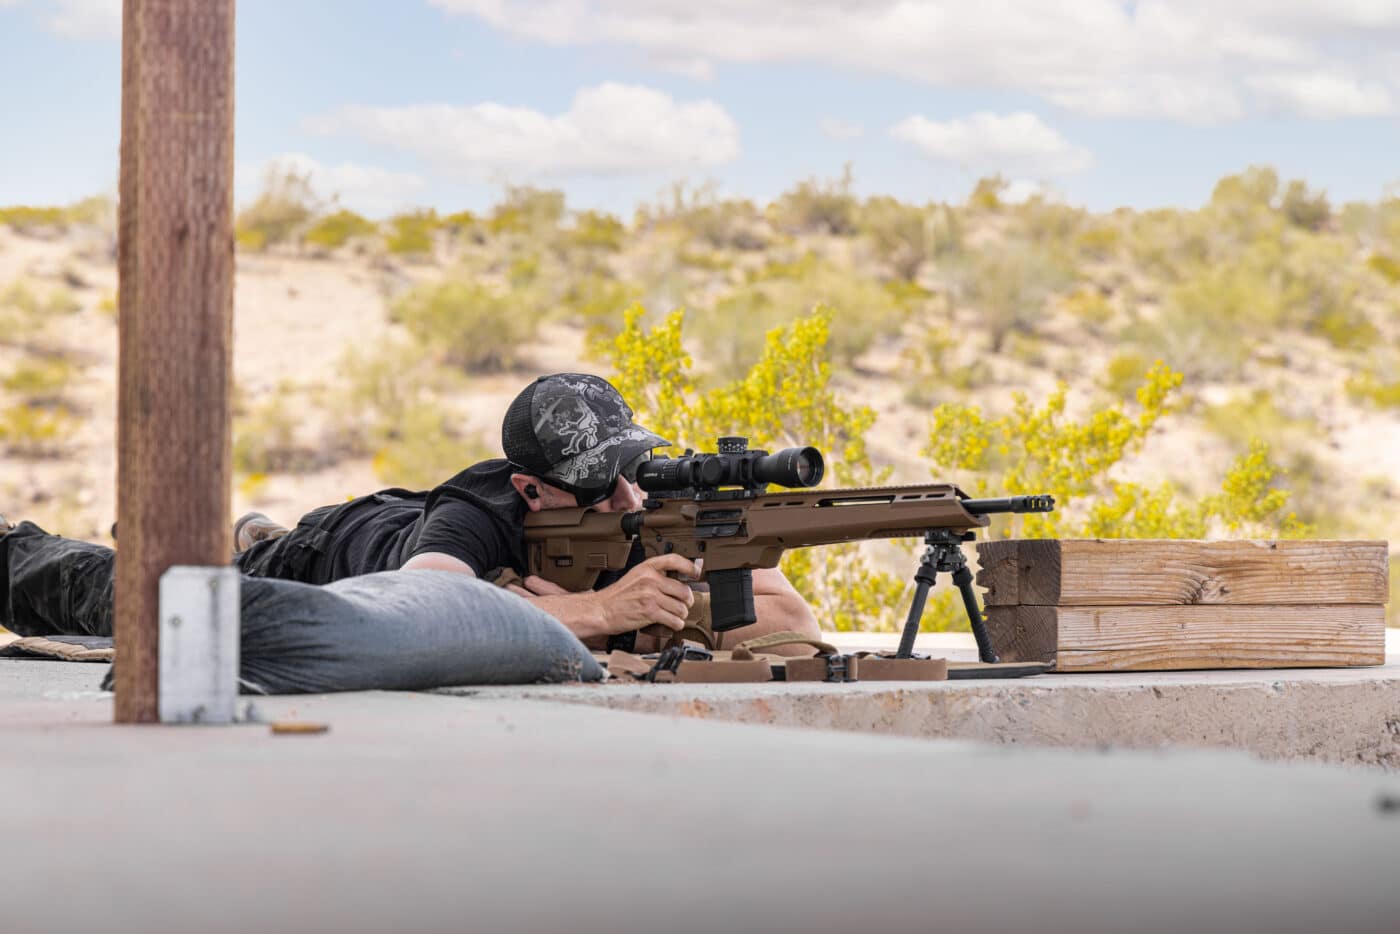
[(528, 488)]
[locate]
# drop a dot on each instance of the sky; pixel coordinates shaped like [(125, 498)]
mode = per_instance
[(394, 104)]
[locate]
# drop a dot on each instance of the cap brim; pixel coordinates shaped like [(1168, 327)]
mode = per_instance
[(596, 467)]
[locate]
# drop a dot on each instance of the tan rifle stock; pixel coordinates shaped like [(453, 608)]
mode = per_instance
[(571, 547)]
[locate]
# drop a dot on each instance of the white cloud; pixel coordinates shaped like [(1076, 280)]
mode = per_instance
[(1018, 143), (611, 129), (84, 19), (1184, 60), (366, 189), (836, 128), (1323, 96)]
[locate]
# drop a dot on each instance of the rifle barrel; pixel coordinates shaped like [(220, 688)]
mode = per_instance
[(980, 507)]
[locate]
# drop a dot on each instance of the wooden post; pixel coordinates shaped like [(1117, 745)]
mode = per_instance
[(175, 268)]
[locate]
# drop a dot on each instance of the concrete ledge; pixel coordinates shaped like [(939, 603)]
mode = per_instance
[(1335, 715)]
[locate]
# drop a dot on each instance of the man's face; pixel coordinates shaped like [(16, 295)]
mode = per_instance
[(626, 497)]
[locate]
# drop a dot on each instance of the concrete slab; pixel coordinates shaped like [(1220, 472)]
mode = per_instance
[(1349, 715), (421, 813)]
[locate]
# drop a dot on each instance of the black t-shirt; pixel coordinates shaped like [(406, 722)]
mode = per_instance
[(476, 517)]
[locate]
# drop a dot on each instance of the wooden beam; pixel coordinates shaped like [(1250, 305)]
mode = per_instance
[(1174, 573), (175, 269), (1147, 638)]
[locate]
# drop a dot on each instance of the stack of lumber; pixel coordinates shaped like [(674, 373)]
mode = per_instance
[(1138, 605)]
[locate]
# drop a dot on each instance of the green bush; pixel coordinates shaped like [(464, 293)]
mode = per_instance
[(1386, 266), (1305, 208), (411, 233), (1367, 387), (282, 209), (267, 438), (699, 213), (427, 449), (1010, 286), (816, 206), (1256, 415), (1124, 373), (527, 211), (40, 381), (861, 310), (467, 325), (335, 230), (594, 230), (35, 431), (986, 195)]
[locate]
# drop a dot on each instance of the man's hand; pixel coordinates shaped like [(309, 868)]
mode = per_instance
[(645, 595)]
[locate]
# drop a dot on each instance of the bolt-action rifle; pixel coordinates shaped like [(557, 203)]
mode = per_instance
[(717, 507)]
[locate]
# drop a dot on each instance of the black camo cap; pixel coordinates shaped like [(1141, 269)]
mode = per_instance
[(575, 428)]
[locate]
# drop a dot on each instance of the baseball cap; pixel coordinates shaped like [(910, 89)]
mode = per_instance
[(574, 429)]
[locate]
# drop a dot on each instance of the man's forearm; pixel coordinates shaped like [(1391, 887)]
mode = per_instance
[(581, 613)]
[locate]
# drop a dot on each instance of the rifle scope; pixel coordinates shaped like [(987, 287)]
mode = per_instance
[(791, 467)]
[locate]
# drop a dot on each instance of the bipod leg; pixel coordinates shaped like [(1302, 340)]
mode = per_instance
[(924, 578), (963, 578)]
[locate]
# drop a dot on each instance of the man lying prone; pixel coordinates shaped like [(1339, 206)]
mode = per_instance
[(569, 440)]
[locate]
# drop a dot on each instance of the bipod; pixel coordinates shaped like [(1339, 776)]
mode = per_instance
[(944, 554)]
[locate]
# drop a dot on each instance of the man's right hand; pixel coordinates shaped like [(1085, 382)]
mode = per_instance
[(648, 594)]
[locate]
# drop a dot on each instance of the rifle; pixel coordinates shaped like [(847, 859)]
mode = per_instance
[(717, 507)]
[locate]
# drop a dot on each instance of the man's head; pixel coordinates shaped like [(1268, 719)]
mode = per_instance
[(574, 432)]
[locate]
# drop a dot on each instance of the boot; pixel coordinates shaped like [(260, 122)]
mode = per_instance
[(255, 527)]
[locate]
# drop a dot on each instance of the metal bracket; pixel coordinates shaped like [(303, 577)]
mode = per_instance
[(199, 634)]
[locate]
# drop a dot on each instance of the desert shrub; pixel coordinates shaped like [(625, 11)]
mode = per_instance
[(1256, 414), (1387, 267), (817, 206), (460, 221), (1221, 310), (33, 221), (903, 235), (1046, 223), (26, 217), (1124, 373), (786, 398), (1100, 240), (1369, 388), (594, 230), (427, 449), (598, 302), (861, 309), (467, 325), (35, 431), (335, 230), (19, 297), (700, 213), (528, 211), (1249, 504), (1009, 286), (411, 233), (266, 437), (1304, 208), (40, 381), (1090, 307), (1041, 450), (987, 193), (286, 204)]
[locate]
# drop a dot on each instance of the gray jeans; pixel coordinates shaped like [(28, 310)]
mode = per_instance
[(396, 630)]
